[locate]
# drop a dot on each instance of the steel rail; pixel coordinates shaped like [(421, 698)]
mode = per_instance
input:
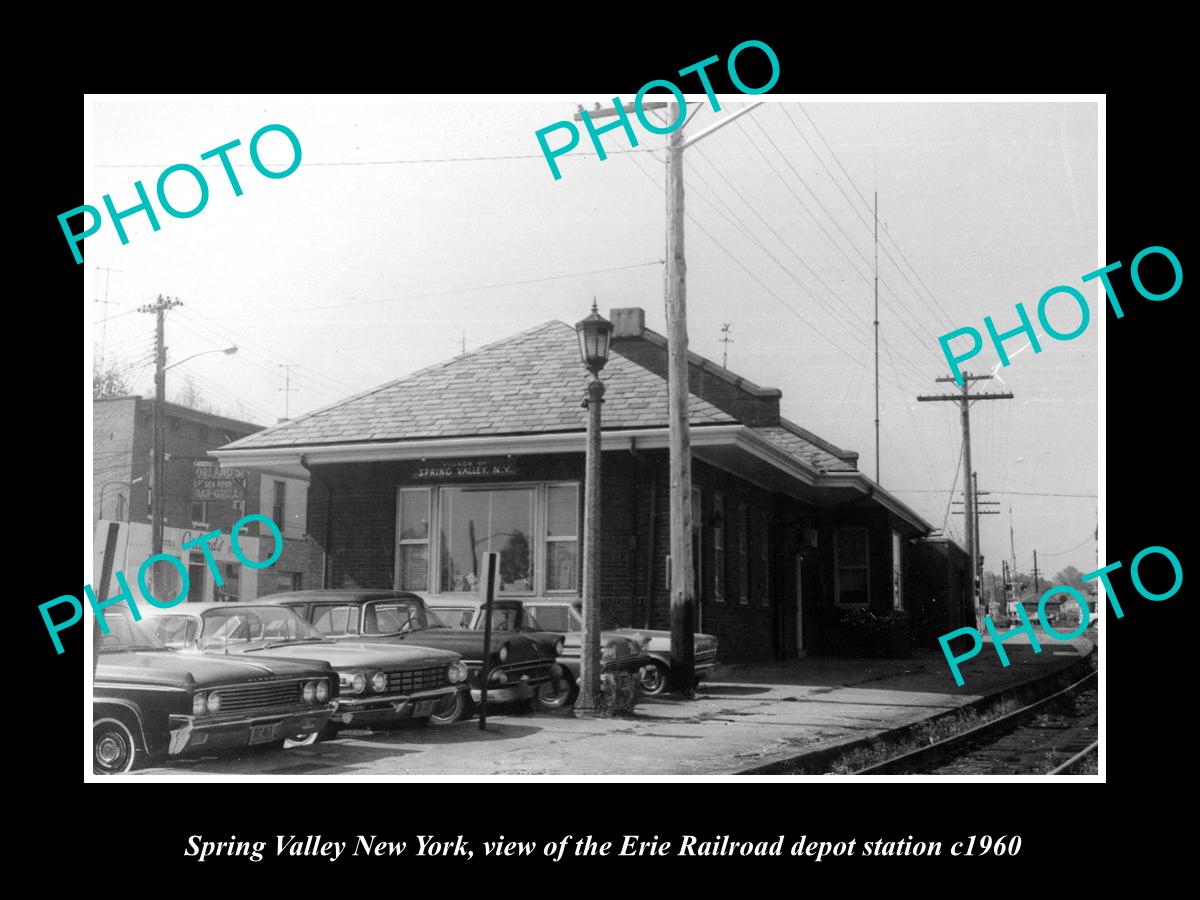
[(925, 758)]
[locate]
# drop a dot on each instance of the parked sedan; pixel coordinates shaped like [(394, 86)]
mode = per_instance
[(379, 686), (618, 652), (519, 667), (149, 701), (656, 680)]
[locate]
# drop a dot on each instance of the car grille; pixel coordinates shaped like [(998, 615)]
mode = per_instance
[(255, 696), (417, 680)]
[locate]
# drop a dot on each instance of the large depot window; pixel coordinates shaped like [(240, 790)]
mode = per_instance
[(534, 528)]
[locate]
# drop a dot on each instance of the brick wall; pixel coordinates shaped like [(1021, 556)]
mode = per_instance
[(352, 519)]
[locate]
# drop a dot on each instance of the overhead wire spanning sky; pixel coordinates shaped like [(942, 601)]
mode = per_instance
[(414, 226)]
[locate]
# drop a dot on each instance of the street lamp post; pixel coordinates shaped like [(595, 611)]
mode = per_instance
[(159, 468), (594, 333)]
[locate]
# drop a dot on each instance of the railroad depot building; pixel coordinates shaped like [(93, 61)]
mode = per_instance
[(412, 481)]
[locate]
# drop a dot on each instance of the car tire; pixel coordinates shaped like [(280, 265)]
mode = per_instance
[(452, 713), (655, 680), (114, 749), (546, 699)]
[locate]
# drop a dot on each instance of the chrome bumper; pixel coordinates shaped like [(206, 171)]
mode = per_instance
[(215, 732), (374, 710)]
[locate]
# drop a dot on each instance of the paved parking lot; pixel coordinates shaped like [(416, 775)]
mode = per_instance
[(745, 716)]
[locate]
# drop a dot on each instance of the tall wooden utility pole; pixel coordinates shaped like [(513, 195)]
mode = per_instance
[(158, 468), (963, 399), (1037, 585), (683, 587)]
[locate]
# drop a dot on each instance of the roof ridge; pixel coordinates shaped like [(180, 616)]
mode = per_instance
[(802, 432), (705, 364), (414, 374)]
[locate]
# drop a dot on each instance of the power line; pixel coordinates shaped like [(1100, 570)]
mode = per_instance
[(922, 341), (483, 287), (747, 270), (383, 162), (1073, 549), (844, 322), (1010, 493), (867, 205)]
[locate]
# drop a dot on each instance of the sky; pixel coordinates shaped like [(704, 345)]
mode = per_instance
[(413, 226)]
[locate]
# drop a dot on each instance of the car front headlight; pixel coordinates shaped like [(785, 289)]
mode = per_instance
[(199, 705), (457, 672), (214, 703), (379, 682), (322, 691), (609, 652), (503, 654), (355, 684), (558, 647), (310, 692)]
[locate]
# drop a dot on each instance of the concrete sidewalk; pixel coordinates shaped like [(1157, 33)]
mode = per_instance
[(744, 717)]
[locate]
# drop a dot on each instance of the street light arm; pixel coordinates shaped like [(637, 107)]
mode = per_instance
[(228, 351), (716, 125)]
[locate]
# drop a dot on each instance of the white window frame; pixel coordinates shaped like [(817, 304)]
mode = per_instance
[(718, 530), (897, 571), (743, 554), (765, 555), (415, 542), (537, 546), (837, 567), (698, 542), (542, 507)]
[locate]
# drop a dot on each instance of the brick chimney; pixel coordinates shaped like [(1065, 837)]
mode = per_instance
[(628, 322)]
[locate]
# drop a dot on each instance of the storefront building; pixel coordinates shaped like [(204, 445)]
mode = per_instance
[(411, 482)]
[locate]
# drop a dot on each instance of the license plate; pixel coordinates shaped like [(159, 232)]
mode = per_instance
[(260, 734), (424, 708)]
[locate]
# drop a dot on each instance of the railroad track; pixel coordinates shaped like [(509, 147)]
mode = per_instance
[(1024, 742)]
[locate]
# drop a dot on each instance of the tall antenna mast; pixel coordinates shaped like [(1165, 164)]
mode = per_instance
[(1012, 542), (726, 340), (877, 481)]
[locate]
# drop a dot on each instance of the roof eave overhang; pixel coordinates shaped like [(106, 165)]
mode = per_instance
[(299, 458), (867, 486)]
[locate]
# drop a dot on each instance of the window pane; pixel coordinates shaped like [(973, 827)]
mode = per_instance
[(562, 511), (561, 565), (464, 527), (852, 547), (414, 515), (852, 586), (414, 567), (552, 618), (332, 619), (475, 522)]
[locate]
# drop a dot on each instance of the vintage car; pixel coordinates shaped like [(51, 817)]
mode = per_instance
[(565, 615), (618, 652), (378, 686), (149, 701), (520, 668)]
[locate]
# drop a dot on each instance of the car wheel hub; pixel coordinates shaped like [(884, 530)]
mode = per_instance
[(110, 749)]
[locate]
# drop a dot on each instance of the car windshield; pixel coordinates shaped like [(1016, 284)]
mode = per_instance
[(392, 616), (453, 616), (266, 624), (504, 618), (174, 631), (125, 634)]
